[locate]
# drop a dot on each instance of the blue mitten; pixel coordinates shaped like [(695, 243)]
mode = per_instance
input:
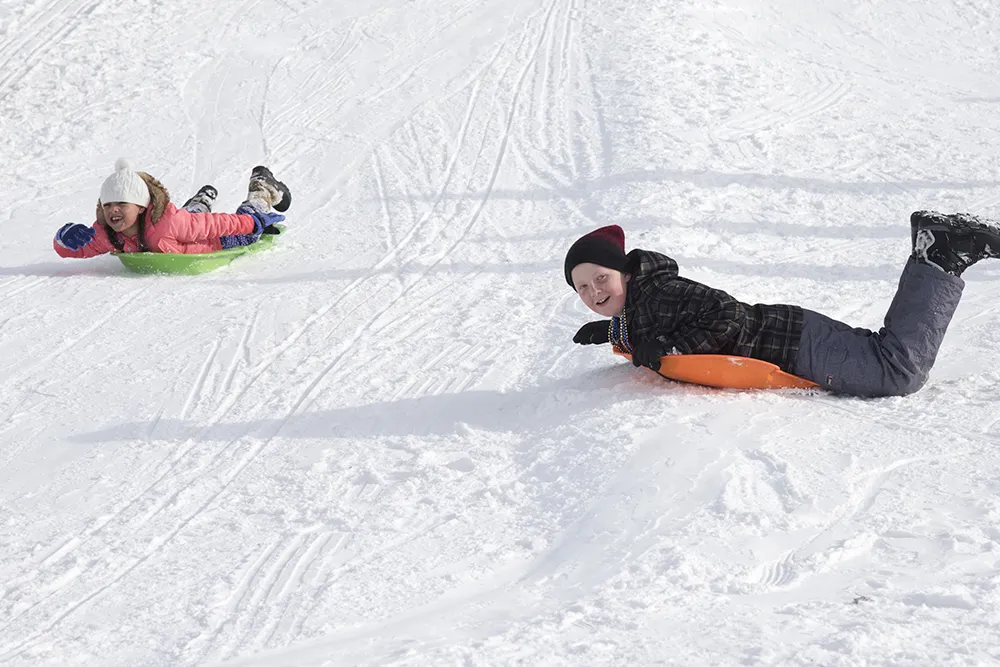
[(74, 236), (261, 221)]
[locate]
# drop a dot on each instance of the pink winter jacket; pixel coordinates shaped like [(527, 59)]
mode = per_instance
[(166, 228)]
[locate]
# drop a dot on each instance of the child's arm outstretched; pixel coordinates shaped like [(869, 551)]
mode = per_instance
[(81, 241), (188, 229)]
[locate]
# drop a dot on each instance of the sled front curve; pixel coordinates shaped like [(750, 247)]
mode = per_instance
[(178, 264), (728, 372)]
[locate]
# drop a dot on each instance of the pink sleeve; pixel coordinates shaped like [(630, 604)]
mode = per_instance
[(187, 228), (99, 245)]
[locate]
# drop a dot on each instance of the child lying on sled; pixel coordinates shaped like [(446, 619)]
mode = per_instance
[(134, 214), (654, 312)]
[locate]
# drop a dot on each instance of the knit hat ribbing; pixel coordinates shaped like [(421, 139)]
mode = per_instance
[(125, 185), (604, 246)]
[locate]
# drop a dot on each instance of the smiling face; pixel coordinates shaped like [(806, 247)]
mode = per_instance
[(123, 217), (600, 288)]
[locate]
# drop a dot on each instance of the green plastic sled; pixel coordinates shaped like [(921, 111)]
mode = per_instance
[(189, 265)]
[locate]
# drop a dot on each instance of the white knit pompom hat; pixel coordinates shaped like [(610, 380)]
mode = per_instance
[(125, 185)]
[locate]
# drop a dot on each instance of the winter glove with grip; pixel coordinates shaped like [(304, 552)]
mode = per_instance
[(261, 221), (647, 353), (593, 333), (74, 236)]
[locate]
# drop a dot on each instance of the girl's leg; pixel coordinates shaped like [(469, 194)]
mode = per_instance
[(202, 200), (895, 360), (266, 192)]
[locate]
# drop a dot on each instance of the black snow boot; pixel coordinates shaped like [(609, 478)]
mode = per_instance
[(202, 200), (264, 186), (953, 242)]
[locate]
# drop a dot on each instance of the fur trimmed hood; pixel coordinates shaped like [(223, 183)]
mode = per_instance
[(159, 197)]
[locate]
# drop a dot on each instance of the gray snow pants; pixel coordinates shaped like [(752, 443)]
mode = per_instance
[(893, 361)]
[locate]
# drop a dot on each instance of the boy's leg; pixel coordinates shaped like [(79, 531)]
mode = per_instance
[(895, 360), (202, 200)]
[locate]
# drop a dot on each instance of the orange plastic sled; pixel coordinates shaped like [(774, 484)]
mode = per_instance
[(720, 370)]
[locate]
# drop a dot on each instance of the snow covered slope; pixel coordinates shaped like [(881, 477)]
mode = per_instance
[(376, 444)]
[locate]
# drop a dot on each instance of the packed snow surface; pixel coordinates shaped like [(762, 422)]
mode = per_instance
[(376, 443)]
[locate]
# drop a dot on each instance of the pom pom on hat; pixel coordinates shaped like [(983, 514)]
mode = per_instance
[(604, 247), (125, 185)]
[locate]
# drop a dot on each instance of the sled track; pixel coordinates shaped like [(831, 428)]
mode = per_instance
[(820, 551), (48, 27), (134, 506), (33, 370), (824, 97), (29, 284), (334, 362)]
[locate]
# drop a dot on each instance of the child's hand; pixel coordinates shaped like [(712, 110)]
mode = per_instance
[(593, 333), (261, 221), (74, 236), (647, 353)]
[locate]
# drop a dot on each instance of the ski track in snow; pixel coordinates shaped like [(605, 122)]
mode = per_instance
[(49, 24), (374, 444)]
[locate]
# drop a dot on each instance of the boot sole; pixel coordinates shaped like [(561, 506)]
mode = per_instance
[(959, 222), (286, 195), (286, 198)]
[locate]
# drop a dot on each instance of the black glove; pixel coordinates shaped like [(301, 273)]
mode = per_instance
[(647, 353), (593, 333)]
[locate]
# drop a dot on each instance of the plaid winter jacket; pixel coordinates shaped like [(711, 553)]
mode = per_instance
[(697, 319)]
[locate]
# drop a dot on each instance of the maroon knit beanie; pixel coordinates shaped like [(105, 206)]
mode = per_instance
[(604, 246)]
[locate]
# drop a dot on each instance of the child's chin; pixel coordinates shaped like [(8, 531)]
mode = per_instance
[(604, 311)]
